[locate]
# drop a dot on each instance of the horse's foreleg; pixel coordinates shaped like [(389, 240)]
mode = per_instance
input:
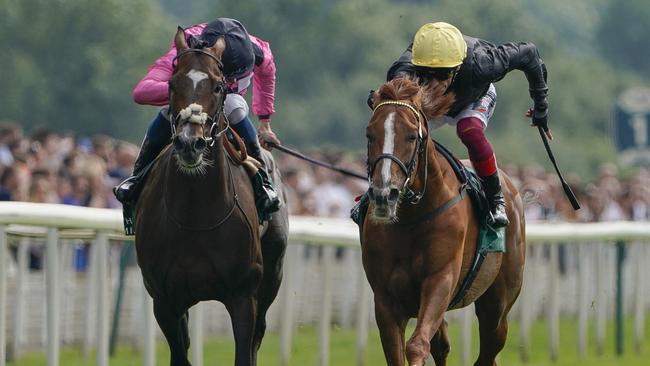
[(174, 327), (391, 331), (440, 345), (242, 312), (434, 295)]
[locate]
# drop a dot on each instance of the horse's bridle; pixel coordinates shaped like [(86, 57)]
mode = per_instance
[(420, 148), (214, 119)]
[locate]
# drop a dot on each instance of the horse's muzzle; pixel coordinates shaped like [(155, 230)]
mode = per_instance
[(384, 196), (385, 200), (189, 149)]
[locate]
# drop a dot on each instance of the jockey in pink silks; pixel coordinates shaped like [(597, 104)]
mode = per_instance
[(246, 59)]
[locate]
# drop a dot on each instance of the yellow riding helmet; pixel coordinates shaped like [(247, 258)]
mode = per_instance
[(438, 45)]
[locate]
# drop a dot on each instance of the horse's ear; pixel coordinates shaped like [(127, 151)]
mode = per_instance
[(218, 47), (179, 39), (417, 98), (373, 99)]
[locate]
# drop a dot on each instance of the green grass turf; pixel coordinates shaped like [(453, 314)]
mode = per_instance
[(219, 350)]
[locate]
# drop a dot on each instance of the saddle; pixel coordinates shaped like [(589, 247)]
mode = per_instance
[(489, 238)]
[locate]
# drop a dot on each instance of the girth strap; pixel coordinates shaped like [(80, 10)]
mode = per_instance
[(469, 279)]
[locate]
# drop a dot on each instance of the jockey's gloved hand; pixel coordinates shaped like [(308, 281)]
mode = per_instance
[(540, 118), (371, 96), (539, 115)]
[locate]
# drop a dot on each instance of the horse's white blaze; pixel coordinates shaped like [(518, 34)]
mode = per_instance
[(186, 131), (389, 147), (196, 76)]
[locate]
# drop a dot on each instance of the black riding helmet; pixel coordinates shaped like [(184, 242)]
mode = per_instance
[(238, 58)]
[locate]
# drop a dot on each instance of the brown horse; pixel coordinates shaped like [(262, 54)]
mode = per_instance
[(197, 233), (414, 260)]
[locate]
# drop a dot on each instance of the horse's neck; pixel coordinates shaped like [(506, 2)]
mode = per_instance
[(186, 193)]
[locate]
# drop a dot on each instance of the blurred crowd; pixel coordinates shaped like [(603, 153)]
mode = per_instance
[(609, 197), (51, 167)]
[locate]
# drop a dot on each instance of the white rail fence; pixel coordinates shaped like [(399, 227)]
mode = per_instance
[(324, 284)]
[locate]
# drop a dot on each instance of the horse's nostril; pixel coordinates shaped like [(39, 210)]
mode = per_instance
[(380, 197), (178, 144), (393, 195), (200, 144)]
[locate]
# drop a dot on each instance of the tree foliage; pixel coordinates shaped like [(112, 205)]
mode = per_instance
[(624, 35), (72, 63)]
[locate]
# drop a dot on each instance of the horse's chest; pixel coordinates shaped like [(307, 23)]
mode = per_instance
[(391, 273), (398, 263)]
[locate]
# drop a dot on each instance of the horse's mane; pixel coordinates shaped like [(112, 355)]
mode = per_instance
[(400, 89), (431, 97)]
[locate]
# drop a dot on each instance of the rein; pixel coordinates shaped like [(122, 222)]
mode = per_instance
[(420, 149), (323, 164)]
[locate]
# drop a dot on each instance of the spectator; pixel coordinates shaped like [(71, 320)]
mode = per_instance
[(42, 190), (9, 183), (125, 155), (10, 133)]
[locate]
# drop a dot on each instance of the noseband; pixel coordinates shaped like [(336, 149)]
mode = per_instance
[(420, 148), (214, 119)]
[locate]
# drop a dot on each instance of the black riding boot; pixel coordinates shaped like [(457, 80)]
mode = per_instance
[(492, 187), (266, 199), (358, 212), (127, 192)]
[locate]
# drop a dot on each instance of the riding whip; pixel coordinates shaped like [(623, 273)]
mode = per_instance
[(567, 190), (302, 156)]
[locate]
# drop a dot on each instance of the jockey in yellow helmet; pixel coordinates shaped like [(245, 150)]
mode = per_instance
[(469, 66)]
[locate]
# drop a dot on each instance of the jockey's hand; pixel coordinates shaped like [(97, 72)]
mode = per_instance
[(540, 119), (268, 139)]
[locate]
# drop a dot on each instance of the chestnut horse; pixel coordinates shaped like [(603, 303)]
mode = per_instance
[(197, 232), (419, 237)]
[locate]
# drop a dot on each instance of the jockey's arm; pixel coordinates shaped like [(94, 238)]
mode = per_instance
[(153, 89), (263, 81), (264, 91), (492, 63)]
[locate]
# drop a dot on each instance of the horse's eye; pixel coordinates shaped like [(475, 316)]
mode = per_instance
[(219, 87), (412, 138), (370, 138)]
